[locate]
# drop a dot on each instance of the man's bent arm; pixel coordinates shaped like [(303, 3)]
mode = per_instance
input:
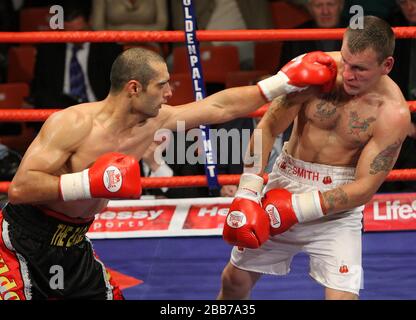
[(36, 180), (376, 161), (279, 116)]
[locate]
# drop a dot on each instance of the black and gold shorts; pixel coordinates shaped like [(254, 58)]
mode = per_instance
[(42, 257)]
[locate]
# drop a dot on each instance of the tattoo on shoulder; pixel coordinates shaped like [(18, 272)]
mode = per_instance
[(285, 102), (384, 161), (279, 104), (335, 197), (357, 125)]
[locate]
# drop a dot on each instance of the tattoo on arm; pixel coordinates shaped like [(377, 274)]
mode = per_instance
[(335, 197), (282, 102), (384, 161)]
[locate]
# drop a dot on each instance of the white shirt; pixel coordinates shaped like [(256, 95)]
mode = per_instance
[(162, 171), (82, 56)]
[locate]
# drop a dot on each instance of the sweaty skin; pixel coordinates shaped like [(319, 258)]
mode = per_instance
[(72, 139), (363, 130)]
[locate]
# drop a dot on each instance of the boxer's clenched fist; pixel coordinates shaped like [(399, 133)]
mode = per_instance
[(313, 68), (112, 176)]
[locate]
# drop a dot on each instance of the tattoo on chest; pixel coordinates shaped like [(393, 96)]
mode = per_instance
[(356, 125), (335, 197), (385, 159), (325, 110), (327, 106)]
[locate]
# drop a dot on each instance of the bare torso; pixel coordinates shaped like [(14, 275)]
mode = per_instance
[(133, 140), (333, 128), (71, 140)]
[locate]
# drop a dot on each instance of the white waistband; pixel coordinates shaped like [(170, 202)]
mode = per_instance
[(312, 173)]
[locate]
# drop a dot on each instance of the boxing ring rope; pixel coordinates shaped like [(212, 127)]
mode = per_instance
[(179, 36), (225, 179), (30, 115), (18, 115)]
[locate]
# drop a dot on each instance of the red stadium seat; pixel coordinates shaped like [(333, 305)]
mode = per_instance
[(21, 63), (12, 96), (182, 90), (287, 15), (35, 19), (267, 55), (243, 78), (216, 61)]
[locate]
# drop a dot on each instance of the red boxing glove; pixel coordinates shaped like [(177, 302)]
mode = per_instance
[(112, 176), (313, 68), (286, 209), (246, 224)]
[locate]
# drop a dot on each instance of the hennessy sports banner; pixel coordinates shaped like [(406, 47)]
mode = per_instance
[(206, 216), (161, 218)]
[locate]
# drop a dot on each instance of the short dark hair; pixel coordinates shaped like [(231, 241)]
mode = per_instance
[(376, 34), (133, 64)]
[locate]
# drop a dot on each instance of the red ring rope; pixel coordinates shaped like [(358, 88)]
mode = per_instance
[(179, 36), (224, 179), (33, 115)]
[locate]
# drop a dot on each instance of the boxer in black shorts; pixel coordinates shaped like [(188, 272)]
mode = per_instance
[(83, 156), (49, 248)]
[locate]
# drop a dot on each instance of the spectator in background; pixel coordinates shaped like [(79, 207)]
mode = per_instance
[(378, 8), (40, 3), (325, 14), (227, 15), (404, 74), (181, 167), (8, 22), (404, 71), (70, 73), (152, 165), (130, 15)]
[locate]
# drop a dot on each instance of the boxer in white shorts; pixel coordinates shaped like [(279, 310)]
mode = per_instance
[(332, 242), (349, 122)]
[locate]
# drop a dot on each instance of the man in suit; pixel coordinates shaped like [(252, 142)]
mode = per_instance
[(70, 73)]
